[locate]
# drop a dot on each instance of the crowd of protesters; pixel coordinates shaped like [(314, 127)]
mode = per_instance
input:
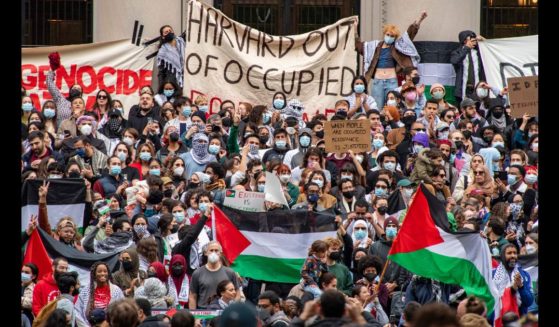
[(149, 173)]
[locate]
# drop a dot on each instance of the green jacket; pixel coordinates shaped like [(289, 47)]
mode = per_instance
[(293, 193), (232, 144), (343, 275)]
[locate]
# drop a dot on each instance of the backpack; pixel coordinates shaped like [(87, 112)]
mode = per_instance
[(45, 313)]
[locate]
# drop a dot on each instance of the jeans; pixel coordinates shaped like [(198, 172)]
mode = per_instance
[(380, 88), (315, 291)]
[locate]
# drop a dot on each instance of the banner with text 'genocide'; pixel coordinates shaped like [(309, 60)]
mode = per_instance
[(228, 60), (119, 67)]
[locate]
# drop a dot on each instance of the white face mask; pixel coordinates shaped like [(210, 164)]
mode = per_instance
[(178, 171), (285, 178), (530, 249), (85, 129), (213, 257), (128, 140), (408, 192)]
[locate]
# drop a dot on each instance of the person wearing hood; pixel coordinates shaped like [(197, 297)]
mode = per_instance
[(491, 157), (360, 231), (154, 291), (281, 146), (179, 280), (198, 157), (510, 277), (119, 240), (294, 158), (294, 108), (128, 275), (113, 128), (438, 93), (497, 116), (467, 63), (426, 161)]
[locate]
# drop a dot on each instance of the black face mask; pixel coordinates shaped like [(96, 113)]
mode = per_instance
[(174, 137), (151, 274), (341, 113), (264, 138), (127, 265), (192, 185), (459, 144), (370, 277), (74, 174), (168, 193), (74, 93), (498, 114), (415, 79), (226, 122), (169, 37), (488, 139), (335, 255), (175, 229), (177, 271), (467, 134), (320, 134), (348, 194), (245, 119), (382, 210), (408, 120), (76, 291)]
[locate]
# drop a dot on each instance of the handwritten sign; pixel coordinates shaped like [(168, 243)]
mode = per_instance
[(523, 95), (245, 201), (343, 135)]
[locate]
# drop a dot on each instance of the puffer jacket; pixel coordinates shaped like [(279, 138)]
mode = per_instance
[(422, 168)]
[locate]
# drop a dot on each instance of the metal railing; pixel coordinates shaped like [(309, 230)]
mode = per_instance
[(506, 18), (57, 22)]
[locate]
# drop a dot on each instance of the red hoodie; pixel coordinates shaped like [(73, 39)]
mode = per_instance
[(45, 291)]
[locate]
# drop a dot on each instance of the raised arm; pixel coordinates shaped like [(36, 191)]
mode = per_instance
[(43, 212), (414, 27), (63, 106)]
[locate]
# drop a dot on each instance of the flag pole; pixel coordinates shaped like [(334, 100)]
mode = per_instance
[(383, 271)]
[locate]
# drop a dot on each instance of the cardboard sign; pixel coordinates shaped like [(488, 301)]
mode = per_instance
[(523, 95), (245, 201), (343, 135)]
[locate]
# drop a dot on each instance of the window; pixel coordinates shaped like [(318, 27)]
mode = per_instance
[(508, 18)]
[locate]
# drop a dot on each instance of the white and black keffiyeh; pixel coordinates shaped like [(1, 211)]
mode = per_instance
[(403, 44), (172, 58)]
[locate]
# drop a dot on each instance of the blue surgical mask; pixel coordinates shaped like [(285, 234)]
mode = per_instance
[(80, 152), (498, 144), (186, 111), (122, 156), (155, 172), (213, 149), (359, 88), (378, 143), (318, 182), (279, 103), (313, 198), (360, 234), (49, 113), (115, 170), (305, 141), (482, 93), (531, 179), (281, 144), (205, 178), (452, 158), (203, 206), (145, 156), (390, 166), (391, 232), (388, 39), (168, 93), (25, 277), (261, 187), (511, 179), (380, 191), (27, 106), (203, 109), (179, 216), (266, 117)]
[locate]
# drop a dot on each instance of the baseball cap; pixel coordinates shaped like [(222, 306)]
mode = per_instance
[(467, 102), (405, 183)]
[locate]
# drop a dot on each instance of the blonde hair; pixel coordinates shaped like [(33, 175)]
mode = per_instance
[(201, 99), (392, 29), (332, 242)]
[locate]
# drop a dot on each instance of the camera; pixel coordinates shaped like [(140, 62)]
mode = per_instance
[(216, 129)]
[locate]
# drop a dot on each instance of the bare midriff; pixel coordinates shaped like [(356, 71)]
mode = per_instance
[(385, 73)]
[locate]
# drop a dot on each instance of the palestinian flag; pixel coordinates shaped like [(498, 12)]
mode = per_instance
[(426, 247), (529, 263), (396, 203), (270, 246), (435, 67), (43, 248), (66, 197)]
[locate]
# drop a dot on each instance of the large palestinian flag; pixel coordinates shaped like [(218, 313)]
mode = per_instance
[(270, 246), (435, 67), (426, 247), (42, 249), (66, 197)]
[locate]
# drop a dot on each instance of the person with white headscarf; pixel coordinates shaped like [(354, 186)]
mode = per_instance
[(198, 157)]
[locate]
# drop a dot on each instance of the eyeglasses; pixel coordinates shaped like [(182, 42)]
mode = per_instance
[(360, 228), (420, 129), (479, 173), (102, 97), (449, 117), (442, 175)]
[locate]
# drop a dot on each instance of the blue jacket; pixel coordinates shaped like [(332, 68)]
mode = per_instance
[(525, 291), (27, 158)]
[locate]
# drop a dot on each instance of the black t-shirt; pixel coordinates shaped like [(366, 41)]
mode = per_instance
[(131, 173)]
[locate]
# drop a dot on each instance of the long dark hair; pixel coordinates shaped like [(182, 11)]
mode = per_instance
[(161, 41), (93, 283), (221, 287), (362, 78)]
